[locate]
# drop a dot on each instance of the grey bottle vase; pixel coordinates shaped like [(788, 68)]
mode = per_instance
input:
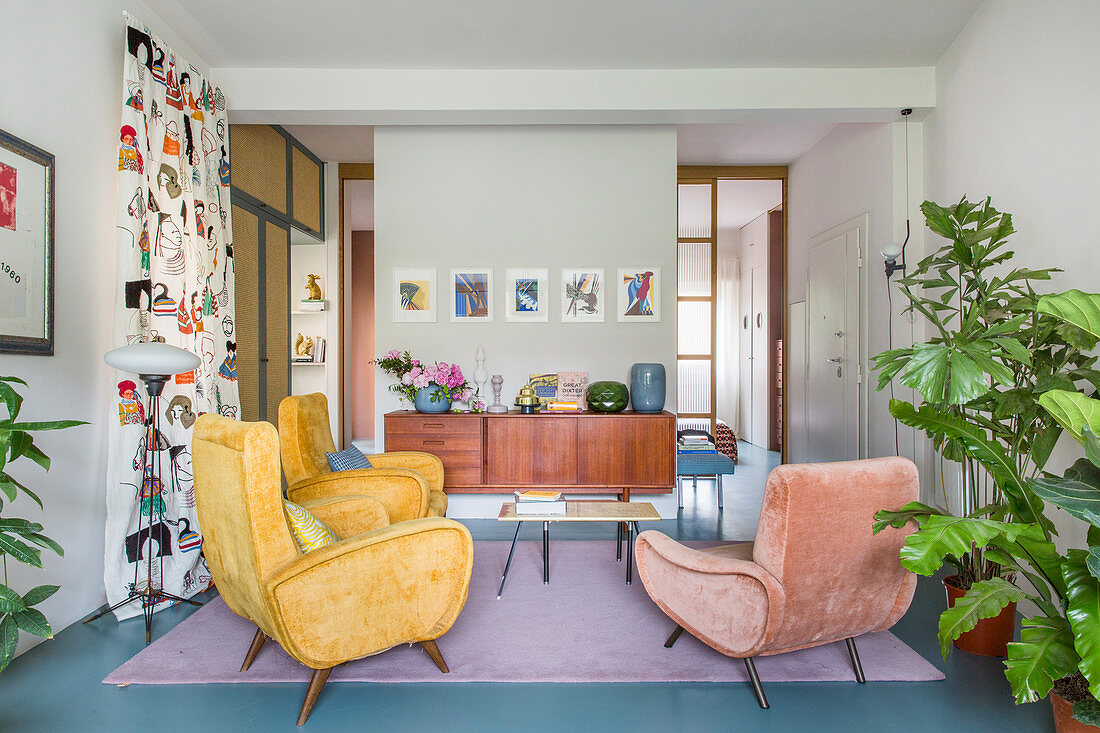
[(647, 387)]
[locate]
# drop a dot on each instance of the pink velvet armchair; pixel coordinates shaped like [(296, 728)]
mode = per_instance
[(815, 574)]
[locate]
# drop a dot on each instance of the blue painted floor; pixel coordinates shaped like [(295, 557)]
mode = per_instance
[(56, 686)]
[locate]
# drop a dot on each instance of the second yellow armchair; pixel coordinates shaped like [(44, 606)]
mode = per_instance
[(409, 484)]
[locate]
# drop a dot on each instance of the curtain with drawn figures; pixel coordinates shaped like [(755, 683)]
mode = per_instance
[(175, 284)]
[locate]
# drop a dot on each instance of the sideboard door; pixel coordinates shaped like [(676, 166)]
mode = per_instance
[(626, 451), (536, 451)]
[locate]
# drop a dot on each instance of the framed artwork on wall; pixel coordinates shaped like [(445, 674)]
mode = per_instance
[(527, 294), (639, 294), (414, 295), (582, 295), (26, 247), (471, 294)]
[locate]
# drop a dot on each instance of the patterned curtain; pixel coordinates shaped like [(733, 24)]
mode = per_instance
[(175, 284)]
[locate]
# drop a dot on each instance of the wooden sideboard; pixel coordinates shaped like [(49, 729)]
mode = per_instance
[(586, 452)]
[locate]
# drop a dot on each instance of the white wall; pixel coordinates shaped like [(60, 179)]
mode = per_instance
[(63, 92), (857, 169), (535, 197), (727, 362), (1015, 120)]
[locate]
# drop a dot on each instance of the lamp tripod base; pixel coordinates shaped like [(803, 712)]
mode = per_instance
[(149, 597)]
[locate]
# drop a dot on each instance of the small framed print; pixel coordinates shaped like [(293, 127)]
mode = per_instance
[(414, 295), (639, 294), (582, 295), (527, 294), (26, 247), (471, 294)]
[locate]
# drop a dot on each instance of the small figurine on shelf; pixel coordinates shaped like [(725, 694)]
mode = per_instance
[(496, 407), (312, 288), (303, 346)]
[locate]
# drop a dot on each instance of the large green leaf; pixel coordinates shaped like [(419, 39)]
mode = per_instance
[(19, 526), (1087, 711), (33, 622), (942, 535), (39, 593), (1093, 561), (1083, 612), (43, 541), (20, 551), (1075, 497), (10, 600), (9, 637), (1043, 654), (47, 425), (1073, 411), (914, 511), (985, 599), (1023, 504), (12, 399), (1076, 307)]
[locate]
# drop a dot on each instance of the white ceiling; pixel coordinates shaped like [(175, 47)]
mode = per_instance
[(777, 143), (739, 202), (567, 34)]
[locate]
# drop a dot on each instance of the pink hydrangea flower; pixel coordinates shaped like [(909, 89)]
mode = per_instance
[(421, 380), (393, 354)]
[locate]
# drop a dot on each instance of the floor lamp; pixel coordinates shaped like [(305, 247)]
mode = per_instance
[(154, 363)]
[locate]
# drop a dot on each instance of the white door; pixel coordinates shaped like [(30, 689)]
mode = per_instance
[(833, 353), (744, 343), (760, 357)]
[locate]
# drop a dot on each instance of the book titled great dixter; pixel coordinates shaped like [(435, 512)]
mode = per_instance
[(571, 386)]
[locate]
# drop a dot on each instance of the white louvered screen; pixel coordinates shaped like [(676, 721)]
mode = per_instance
[(693, 386), (693, 327), (693, 269), (693, 424), (694, 210)]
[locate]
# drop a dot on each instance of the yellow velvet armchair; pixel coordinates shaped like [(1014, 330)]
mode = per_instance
[(380, 585), (409, 483)]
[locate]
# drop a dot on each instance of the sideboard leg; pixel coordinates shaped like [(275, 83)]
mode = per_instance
[(546, 553)]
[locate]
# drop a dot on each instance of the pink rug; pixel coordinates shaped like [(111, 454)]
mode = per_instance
[(597, 629)]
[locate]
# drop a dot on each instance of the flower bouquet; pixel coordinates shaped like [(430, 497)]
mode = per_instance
[(441, 382)]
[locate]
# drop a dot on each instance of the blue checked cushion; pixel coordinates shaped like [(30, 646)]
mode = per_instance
[(347, 459), (309, 532)]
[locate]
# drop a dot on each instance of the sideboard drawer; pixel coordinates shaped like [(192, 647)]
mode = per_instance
[(433, 425), (438, 443)]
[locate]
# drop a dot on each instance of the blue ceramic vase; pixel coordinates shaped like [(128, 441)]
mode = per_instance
[(647, 387), (423, 401)]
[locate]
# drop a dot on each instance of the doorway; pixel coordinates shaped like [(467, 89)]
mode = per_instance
[(357, 316), (731, 291)]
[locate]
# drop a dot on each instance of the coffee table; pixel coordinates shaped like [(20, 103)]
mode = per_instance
[(621, 512)]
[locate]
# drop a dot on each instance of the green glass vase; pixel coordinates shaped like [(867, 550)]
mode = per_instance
[(607, 396)]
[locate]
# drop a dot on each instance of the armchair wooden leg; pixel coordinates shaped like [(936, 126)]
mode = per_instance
[(316, 683), (854, 654), (257, 642), (433, 651), (675, 635), (754, 678)]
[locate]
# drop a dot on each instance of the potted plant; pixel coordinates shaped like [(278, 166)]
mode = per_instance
[(430, 388), (1059, 648), (20, 539), (991, 356)]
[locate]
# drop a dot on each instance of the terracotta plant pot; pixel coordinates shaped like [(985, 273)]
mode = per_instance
[(990, 636), (1064, 721)]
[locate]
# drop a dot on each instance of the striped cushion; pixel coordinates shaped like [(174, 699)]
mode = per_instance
[(348, 459), (308, 531)]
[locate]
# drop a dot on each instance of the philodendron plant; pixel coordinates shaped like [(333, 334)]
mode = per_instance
[(1062, 640), (21, 539)]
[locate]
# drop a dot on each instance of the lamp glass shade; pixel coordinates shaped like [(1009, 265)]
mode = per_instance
[(153, 358), (891, 251)]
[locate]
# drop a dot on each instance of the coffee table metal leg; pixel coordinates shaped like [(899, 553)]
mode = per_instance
[(546, 553), (631, 529), (679, 492), (619, 542), (718, 478), (509, 563)]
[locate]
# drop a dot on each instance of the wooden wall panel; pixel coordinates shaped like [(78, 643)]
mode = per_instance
[(246, 273), (277, 343)]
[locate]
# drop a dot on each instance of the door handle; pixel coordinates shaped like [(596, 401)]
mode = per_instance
[(835, 360), (759, 320)]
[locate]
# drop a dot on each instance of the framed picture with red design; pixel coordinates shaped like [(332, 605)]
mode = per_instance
[(26, 247)]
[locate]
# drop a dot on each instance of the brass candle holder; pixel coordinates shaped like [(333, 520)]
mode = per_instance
[(527, 401)]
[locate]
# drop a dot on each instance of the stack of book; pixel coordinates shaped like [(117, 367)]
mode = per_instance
[(318, 355), (561, 406), (693, 444), (540, 502), (312, 305)]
